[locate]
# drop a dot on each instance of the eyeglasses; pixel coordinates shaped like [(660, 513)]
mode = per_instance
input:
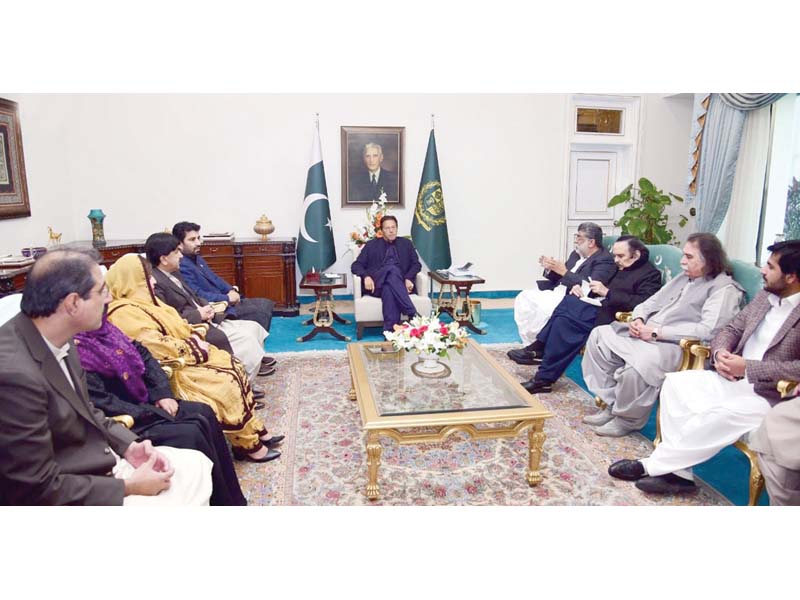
[(578, 237)]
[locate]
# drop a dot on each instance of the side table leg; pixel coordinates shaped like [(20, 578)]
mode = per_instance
[(536, 437), (373, 462)]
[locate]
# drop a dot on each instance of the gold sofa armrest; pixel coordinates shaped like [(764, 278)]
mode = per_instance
[(623, 317), (787, 388), (200, 329), (170, 365), (125, 420)]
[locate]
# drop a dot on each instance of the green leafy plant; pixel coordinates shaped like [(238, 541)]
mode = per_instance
[(645, 216)]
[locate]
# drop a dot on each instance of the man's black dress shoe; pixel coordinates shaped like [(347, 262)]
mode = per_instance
[(629, 470), (273, 441), (524, 357), (666, 484), (258, 393), (268, 361), (538, 387), (266, 371), (243, 455), (259, 405)]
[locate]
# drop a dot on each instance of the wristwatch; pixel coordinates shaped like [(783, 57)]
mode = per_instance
[(654, 335)]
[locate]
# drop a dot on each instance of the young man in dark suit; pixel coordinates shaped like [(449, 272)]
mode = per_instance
[(207, 284)]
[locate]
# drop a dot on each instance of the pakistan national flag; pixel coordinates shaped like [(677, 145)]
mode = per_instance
[(315, 242), (429, 228)]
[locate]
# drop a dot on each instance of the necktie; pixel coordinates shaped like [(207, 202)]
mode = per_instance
[(374, 180)]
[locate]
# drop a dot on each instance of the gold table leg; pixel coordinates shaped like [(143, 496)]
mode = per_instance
[(536, 437), (351, 395), (373, 462)]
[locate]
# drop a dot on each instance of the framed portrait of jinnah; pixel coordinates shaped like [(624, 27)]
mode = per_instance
[(372, 165), (13, 184)]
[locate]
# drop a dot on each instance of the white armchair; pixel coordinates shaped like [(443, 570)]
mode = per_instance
[(369, 310)]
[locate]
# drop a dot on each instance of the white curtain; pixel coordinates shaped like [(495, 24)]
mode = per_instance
[(739, 231)]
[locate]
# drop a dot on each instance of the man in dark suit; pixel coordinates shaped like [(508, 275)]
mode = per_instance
[(204, 282), (55, 447), (388, 266), (573, 319), (704, 411), (242, 338), (368, 184), (532, 308)]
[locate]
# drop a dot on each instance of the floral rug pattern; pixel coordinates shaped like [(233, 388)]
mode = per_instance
[(323, 458)]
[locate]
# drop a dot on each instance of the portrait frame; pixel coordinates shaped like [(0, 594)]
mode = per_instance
[(14, 202), (357, 190)]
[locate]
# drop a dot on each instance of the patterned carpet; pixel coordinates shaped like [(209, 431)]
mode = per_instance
[(324, 456)]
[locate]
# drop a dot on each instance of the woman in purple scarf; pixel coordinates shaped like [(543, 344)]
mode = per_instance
[(124, 379)]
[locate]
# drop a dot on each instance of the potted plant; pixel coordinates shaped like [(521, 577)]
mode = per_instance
[(645, 216)]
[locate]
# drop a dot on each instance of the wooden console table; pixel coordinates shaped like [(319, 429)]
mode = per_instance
[(261, 269)]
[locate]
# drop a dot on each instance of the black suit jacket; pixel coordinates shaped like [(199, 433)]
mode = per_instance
[(362, 190), (599, 266), (628, 288), (55, 446), (183, 300), (373, 254)]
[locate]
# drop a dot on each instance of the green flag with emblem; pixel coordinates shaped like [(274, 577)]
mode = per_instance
[(429, 227), (315, 243)]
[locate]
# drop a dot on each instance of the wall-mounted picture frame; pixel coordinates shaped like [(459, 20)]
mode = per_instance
[(372, 164), (14, 201)]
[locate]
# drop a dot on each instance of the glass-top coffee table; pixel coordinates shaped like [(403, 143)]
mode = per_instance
[(477, 397)]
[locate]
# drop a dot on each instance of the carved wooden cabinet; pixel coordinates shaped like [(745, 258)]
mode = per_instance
[(12, 280), (261, 269)]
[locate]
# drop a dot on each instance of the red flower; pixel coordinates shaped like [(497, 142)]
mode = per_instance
[(414, 333), (423, 329), (443, 330)]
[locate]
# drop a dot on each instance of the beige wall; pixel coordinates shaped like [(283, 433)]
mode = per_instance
[(223, 160)]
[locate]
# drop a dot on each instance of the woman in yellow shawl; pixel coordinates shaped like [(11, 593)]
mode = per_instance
[(211, 376)]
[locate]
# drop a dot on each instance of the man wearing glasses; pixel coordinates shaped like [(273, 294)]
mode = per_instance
[(532, 308)]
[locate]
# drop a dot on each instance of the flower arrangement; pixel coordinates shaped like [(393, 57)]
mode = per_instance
[(372, 227), (428, 335)]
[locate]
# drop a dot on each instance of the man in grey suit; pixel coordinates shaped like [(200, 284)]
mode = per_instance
[(55, 447), (625, 364), (704, 411)]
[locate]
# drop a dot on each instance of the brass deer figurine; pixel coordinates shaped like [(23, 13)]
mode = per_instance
[(55, 238)]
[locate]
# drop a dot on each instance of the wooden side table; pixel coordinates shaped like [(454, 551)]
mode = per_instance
[(324, 315), (449, 302)]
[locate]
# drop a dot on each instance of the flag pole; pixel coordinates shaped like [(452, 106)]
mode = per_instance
[(433, 123), (316, 120)]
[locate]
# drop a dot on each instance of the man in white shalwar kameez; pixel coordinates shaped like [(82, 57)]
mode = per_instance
[(704, 411)]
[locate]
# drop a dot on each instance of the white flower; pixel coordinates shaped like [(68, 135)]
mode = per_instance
[(427, 335)]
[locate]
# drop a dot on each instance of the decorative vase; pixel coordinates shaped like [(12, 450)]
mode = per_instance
[(96, 216), (430, 366), (264, 227)]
